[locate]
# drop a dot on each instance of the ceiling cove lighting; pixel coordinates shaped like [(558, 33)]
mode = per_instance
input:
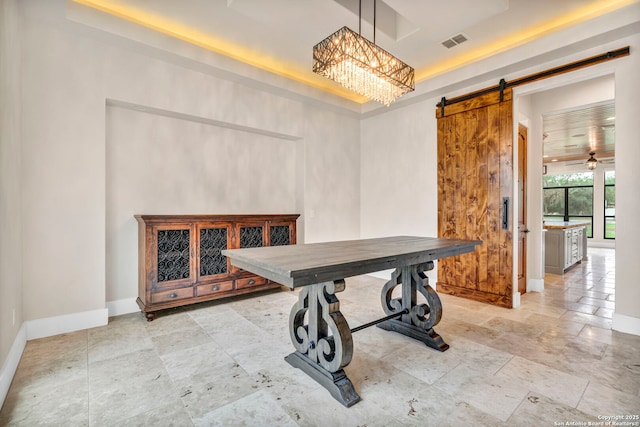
[(592, 163), (358, 64)]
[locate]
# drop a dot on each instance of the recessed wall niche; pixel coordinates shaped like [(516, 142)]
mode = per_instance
[(162, 164)]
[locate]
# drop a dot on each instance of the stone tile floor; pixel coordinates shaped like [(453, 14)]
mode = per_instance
[(553, 360)]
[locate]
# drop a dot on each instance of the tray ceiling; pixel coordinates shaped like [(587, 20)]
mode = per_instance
[(278, 35)]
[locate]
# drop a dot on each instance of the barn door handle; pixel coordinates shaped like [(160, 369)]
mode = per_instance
[(505, 213)]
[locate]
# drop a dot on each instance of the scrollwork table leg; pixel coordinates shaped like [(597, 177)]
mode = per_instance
[(324, 345), (420, 319)]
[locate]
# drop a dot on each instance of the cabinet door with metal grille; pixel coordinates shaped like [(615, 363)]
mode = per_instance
[(173, 256), (280, 234), (212, 238), (251, 236)]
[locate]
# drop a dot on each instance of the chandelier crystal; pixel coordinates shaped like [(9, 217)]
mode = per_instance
[(360, 65)]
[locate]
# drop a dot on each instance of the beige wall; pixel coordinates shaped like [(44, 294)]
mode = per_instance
[(170, 165), (87, 166), (11, 314)]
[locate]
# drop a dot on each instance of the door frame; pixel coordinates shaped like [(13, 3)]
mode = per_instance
[(535, 239), (521, 233)]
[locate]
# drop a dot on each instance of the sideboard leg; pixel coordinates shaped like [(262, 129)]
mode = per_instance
[(324, 345), (150, 316)]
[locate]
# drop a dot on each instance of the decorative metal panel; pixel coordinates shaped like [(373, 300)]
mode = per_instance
[(250, 237), (212, 241), (173, 255), (279, 235)]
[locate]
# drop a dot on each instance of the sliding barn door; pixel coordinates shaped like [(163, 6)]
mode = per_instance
[(475, 187)]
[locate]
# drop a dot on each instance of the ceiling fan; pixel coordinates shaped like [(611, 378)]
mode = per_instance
[(592, 162)]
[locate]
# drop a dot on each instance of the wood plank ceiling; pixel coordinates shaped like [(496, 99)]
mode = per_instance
[(569, 136)]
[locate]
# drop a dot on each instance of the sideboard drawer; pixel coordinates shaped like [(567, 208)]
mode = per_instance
[(250, 282), (213, 288), (171, 295)]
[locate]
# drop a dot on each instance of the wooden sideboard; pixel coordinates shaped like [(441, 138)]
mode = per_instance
[(179, 259)]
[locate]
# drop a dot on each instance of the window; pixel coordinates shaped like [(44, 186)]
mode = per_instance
[(569, 197), (610, 204)]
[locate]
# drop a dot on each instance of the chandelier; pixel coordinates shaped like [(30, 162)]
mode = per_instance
[(360, 65), (592, 162)]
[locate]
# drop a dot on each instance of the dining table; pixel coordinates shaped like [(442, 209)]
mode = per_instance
[(320, 334)]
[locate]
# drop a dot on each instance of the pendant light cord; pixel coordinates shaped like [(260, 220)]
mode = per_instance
[(374, 20), (360, 18), (375, 2)]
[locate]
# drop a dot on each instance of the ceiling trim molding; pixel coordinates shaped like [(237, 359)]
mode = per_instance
[(245, 55)]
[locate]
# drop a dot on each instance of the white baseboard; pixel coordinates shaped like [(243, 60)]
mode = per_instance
[(50, 326), (122, 306), (516, 300), (10, 364), (535, 285), (626, 324)]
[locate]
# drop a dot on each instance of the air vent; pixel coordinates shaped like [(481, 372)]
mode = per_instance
[(448, 43), (454, 41)]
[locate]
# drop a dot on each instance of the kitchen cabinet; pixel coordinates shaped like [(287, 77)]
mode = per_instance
[(565, 246)]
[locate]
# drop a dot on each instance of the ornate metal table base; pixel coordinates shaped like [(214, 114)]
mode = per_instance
[(324, 345)]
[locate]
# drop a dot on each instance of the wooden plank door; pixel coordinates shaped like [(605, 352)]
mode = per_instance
[(522, 209), (475, 185)]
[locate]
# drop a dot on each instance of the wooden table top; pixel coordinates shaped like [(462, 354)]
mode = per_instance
[(306, 264)]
